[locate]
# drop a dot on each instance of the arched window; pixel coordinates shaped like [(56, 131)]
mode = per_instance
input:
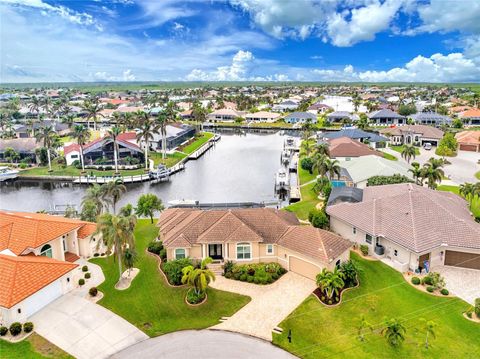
[(46, 251)]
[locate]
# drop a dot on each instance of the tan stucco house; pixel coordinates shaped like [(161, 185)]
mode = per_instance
[(251, 235)]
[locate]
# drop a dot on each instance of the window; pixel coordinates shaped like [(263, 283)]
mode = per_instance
[(19, 310), (269, 248), (179, 253), (337, 264), (46, 251), (368, 238), (74, 156), (244, 251), (395, 253), (354, 230)]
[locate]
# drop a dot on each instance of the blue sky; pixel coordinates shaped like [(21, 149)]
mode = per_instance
[(232, 40)]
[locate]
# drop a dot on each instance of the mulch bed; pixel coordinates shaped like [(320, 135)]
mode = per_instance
[(318, 293)]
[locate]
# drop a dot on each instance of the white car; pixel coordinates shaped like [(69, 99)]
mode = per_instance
[(427, 146)]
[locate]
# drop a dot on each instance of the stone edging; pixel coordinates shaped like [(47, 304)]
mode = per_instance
[(197, 304), (18, 338), (95, 299), (161, 271), (341, 296), (130, 279), (472, 319)]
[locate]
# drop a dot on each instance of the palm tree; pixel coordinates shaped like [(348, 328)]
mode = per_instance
[(332, 168), (95, 194), (82, 135), (322, 148), (319, 163), (117, 234), (416, 172), (198, 278), (112, 191), (47, 135), (394, 332), (363, 122), (306, 147), (429, 329), (129, 259), (330, 282), (92, 107), (364, 324), (408, 152), (432, 171), (35, 106), (145, 135), (113, 133)]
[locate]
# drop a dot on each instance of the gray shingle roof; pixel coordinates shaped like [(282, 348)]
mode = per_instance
[(385, 113)]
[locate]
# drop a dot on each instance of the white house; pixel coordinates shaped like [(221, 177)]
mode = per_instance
[(262, 116)]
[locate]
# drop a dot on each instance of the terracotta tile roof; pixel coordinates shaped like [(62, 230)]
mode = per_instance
[(473, 112), (412, 216), (20, 277), (21, 230), (346, 147), (468, 137), (71, 148)]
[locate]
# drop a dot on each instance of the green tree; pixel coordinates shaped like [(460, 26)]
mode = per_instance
[(408, 152), (82, 135), (394, 332), (129, 259), (11, 155), (47, 136), (93, 109), (330, 282), (95, 195), (364, 122), (364, 324), (145, 134), (198, 278), (113, 191), (89, 211), (113, 133), (432, 171), (428, 328), (416, 172), (148, 204)]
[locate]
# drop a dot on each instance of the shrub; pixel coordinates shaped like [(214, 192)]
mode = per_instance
[(27, 327), (87, 275), (477, 307), (416, 280), (77, 164), (430, 289), (93, 291), (469, 313), (383, 180), (96, 254), (23, 165), (307, 164), (243, 277), (364, 249), (194, 298), (318, 219), (85, 269), (228, 275), (173, 269), (155, 247), (444, 291), (349, 271), (15, 329), (250, 279), (228, 267), (427, 280), (163, 254), (81, 281), (3, 331)]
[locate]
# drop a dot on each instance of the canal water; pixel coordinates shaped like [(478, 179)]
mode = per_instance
[(240, 168)]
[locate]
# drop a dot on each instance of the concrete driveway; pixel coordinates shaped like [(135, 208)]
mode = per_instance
[(203, 344), (270, 304), (82, 328), (463, 282)]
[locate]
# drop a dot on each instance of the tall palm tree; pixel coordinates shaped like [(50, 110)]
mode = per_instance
[(161, 127), (428, 329), (95, 194), (394, 332), (117, 235), (112, 191), (416, 172), (408, 152), (93, 108), (47, 136), (332, 167), (468, 191), (47, 105), (307, 147), (432, 171), (322, 148), (319, 163), (113, 133), (145, 135), (198, 278), (82, 135), (35, 106), (330, 282)]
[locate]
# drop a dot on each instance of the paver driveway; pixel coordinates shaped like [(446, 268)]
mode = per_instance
[(82, 328), (463, 282), (270, 304)]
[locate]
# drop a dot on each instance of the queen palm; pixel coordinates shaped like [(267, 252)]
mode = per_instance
[(47, 105), (35, 106), (394, 332), (198, 278), (332, 167), (112, 191), (416, 172), (330, 282), (82, 135), (145, 135), (408, 152), (307, 147), (92, 107), (428, 327), (95, 194), (319, 163), (468, 191), (113, 133), (322, 148), (47, 136), (432, 171), (117, 235), (161, 126)]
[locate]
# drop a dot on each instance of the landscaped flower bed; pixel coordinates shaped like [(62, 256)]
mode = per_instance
[(173, 270), (331, 284), (432, 283), (258, 273)]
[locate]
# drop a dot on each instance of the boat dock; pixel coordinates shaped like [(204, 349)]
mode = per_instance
[(295, 194)]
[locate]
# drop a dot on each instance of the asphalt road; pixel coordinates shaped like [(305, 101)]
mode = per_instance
[(201, 344)]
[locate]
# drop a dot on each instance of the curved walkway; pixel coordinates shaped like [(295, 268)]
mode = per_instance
[(202, 344)]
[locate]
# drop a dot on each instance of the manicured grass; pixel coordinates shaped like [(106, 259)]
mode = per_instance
[(399, 149), (389, 156), (320, 332), (304, 175), (308, 202), (199, 142), (475, 206), (170, 161), (58, 170), (151, 304), (34, 347)]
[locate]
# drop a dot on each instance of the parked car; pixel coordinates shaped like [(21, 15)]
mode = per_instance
[(427, 146)]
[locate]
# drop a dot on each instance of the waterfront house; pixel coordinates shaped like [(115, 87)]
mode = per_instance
[(319, 108), (430, 118), (287, 105), (387, 117), (468, 141), (301, 117), (251, 236), (340, 116), (416, 135), (176, 135), (25, 147), (345, 148), (370, 138), (37, 260), (224, 115), (262, 116), (470, 117), (410, 227)]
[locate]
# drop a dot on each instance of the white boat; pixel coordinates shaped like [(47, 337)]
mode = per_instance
[(285, 157), (7, 174), (282, 180), (183, 202)]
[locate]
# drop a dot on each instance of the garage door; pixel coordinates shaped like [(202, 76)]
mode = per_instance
[(472, 148), (43, 297), (461, 259), (303, 268)]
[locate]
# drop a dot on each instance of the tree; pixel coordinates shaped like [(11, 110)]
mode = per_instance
[(394, 332), (198, 278), (468, 191), (82, 135), (129, 259), (409, 152), (112, 191), (147, 205), (364, 324), (93, 108), (406, 110), (330, 282), (432, 171), (117, 235), (428, 327), (113, 133), (89, 211), (35, 106), (94, 195), (363, 122), (11, 155), (322, 149), (416, 172), (145, 135), (47, 136)]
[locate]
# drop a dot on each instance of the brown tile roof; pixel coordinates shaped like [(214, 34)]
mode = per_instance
[(21, 230), (468, 137), (20, 277), (346, 147), (415, 217), (425, 131)]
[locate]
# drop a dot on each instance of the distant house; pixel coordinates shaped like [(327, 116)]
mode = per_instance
[(25, 147), (413, 135), (372, 139), (262, 116), (468, 141), (339, 116), (319, 108), (387, 117), (24, 130), (300, 117), (471, 117), (176, 135), (345, 148), (186, 115), (430, 118), (410, 227), (287, 105), (223, 115)]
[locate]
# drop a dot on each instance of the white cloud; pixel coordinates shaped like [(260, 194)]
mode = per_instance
[(128, 75)]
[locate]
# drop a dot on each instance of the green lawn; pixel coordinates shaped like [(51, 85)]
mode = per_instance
[(199, 142), (399, 149), (320, 332), (308, 202), (72, 171), (305, 176), (388, 156), (152, 305), (34, 347), (170, 161), (477, 175), (475, 207)]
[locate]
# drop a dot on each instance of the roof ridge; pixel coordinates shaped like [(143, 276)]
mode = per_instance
[(414, 232)]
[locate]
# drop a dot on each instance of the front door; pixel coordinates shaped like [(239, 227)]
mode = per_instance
[(424, 261), (215, 251)]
